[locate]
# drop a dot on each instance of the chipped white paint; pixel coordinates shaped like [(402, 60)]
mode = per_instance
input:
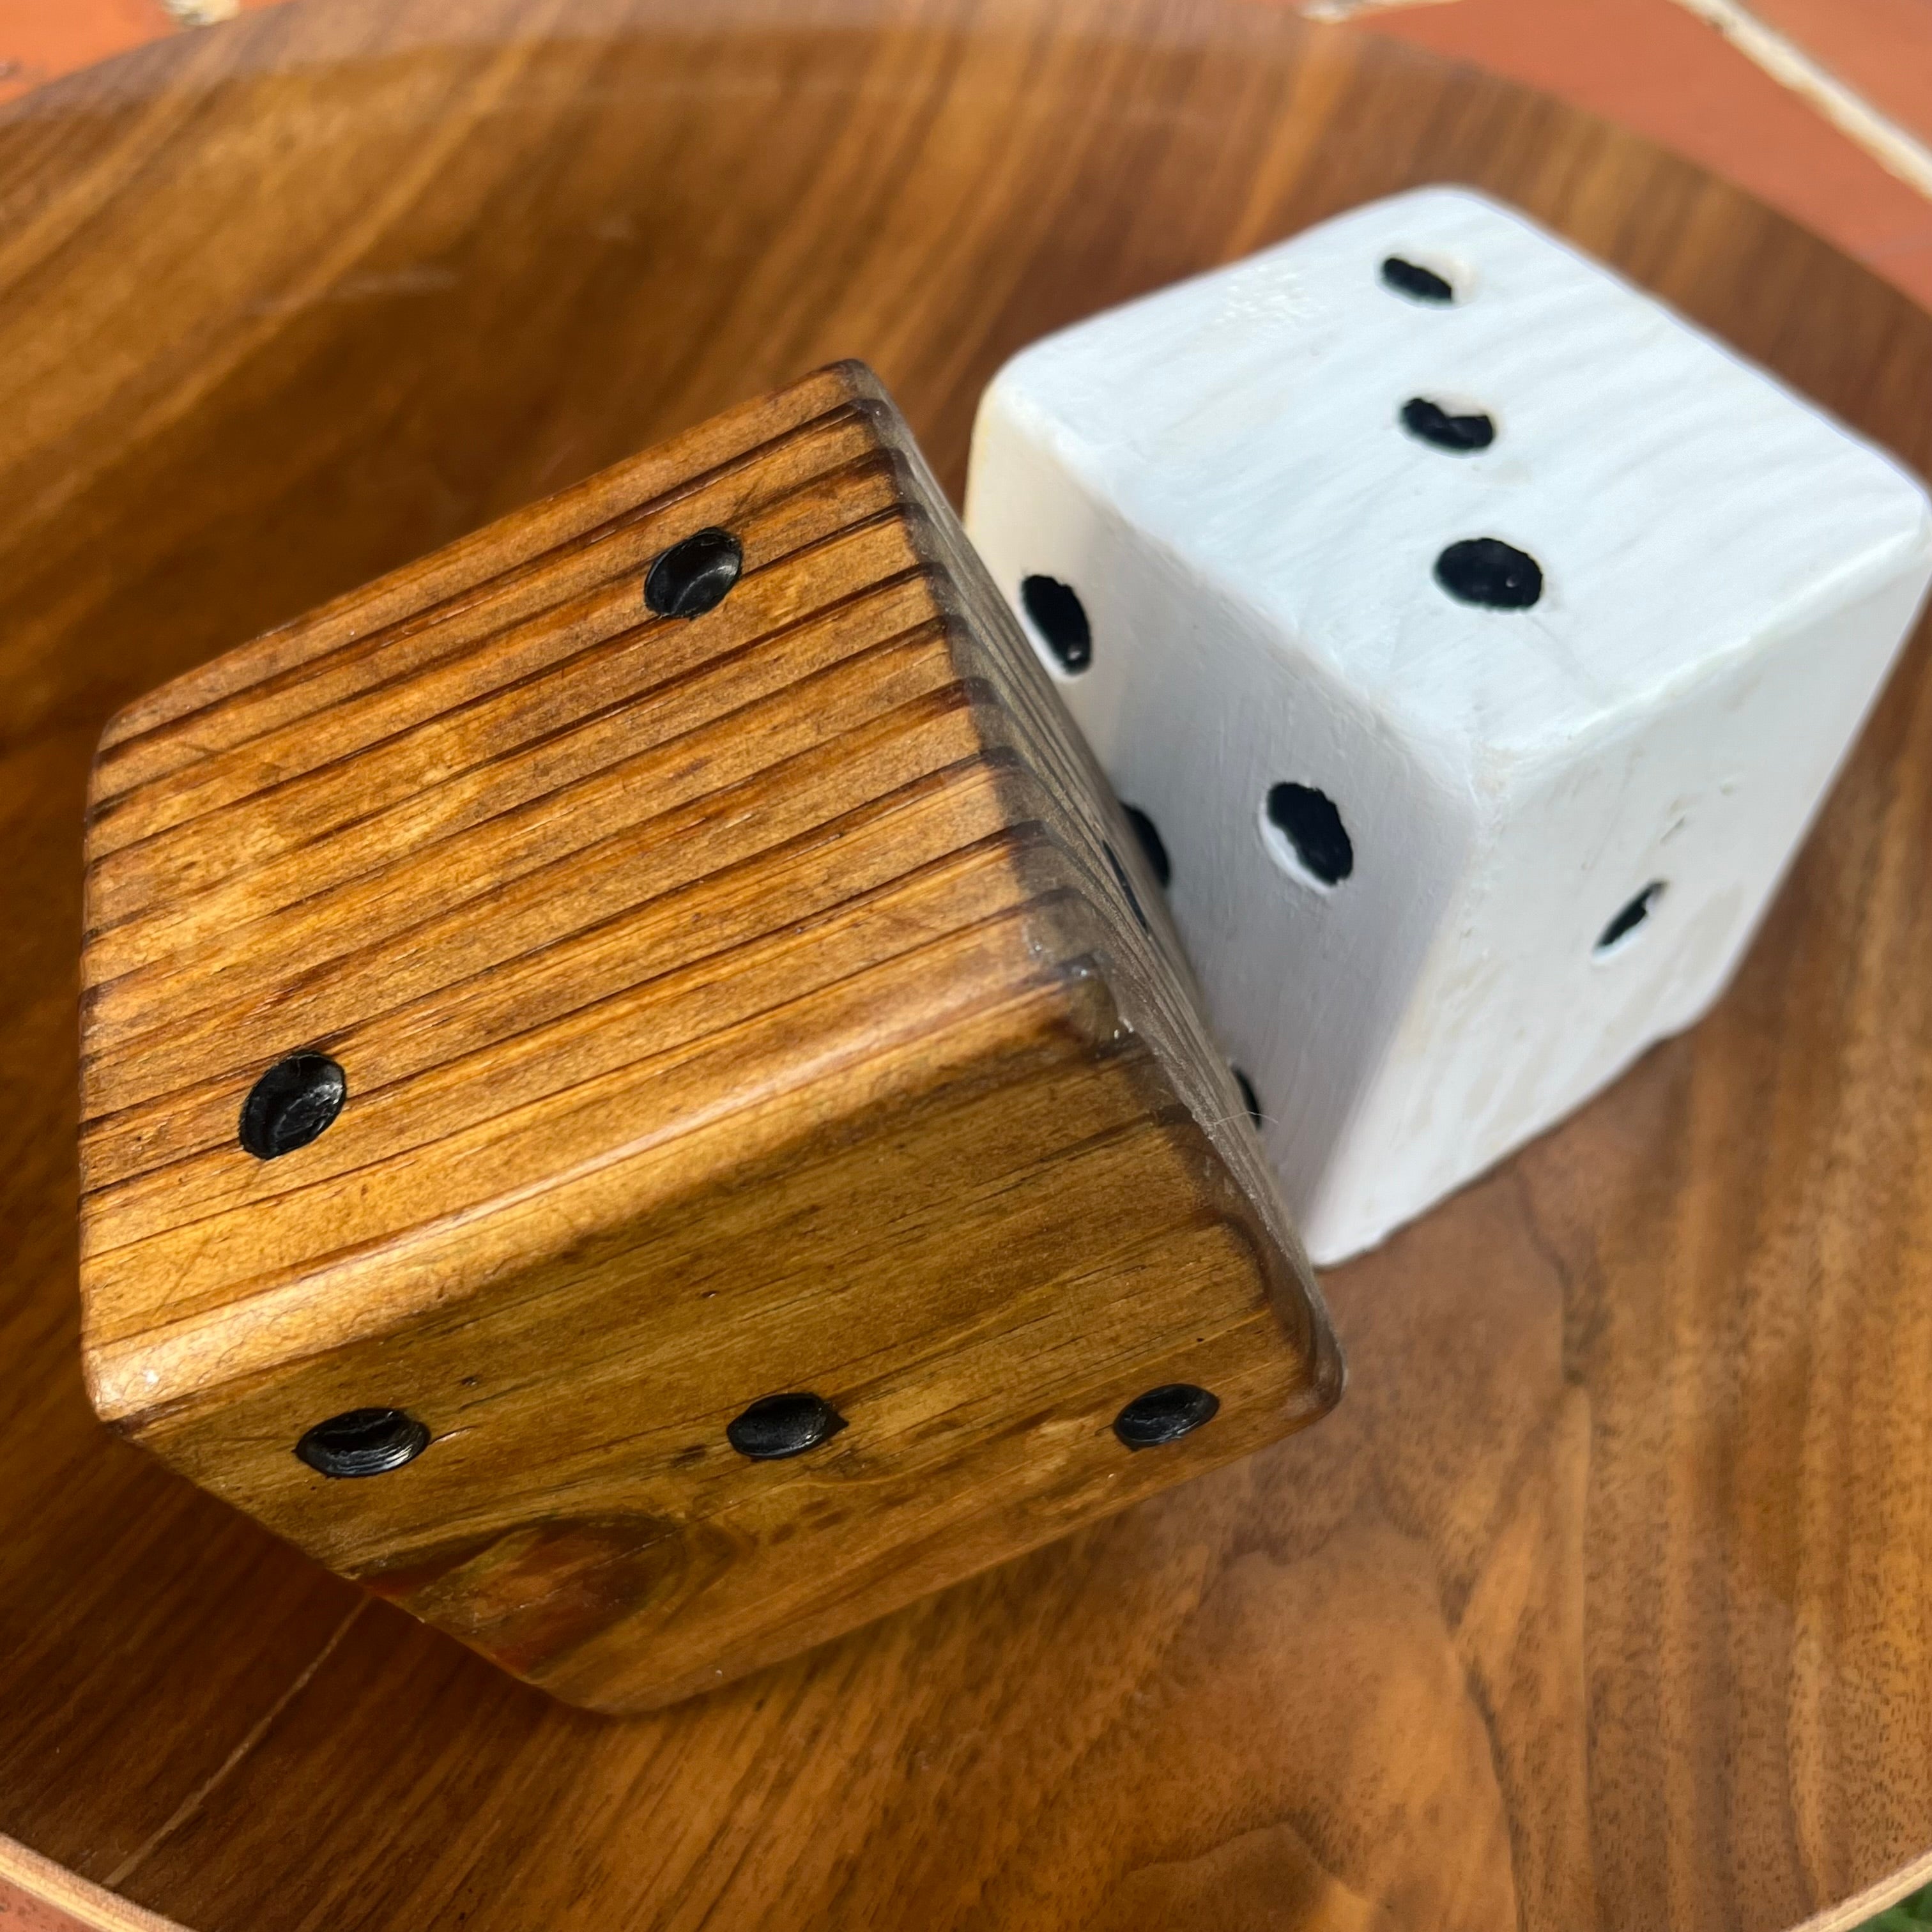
[(1221, 473)]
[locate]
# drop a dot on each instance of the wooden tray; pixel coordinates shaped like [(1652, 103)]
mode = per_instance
[(1603, 1601)]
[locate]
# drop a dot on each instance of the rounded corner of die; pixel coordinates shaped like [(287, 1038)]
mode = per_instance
[(112, 1393), (1328, 1378)]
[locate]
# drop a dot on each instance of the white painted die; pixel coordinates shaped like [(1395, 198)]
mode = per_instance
[(1444, 867)]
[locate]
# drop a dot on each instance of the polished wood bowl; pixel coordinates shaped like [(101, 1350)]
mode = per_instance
[(1602, 1602)]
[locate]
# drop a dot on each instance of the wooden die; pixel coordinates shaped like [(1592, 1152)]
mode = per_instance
[(645, 1039)]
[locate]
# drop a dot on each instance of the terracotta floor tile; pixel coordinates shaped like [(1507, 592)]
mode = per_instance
[(41, 38), (1882, 48), (1653, 66)]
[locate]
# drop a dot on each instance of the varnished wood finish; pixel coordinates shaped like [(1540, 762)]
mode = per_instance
[(1602, 1600), (767, 1000)]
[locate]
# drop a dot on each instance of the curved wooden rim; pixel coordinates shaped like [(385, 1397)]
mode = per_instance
[(37, 1895), (1616, 1550)]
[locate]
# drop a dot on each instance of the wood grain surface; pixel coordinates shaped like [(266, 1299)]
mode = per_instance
[(764, 999), (1601, 1602)]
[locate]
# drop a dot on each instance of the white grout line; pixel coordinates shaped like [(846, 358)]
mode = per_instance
[(1899, 152), (1895, 148)]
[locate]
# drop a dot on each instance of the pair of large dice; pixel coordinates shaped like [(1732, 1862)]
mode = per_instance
[(1474, 639), (639, 1094)]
